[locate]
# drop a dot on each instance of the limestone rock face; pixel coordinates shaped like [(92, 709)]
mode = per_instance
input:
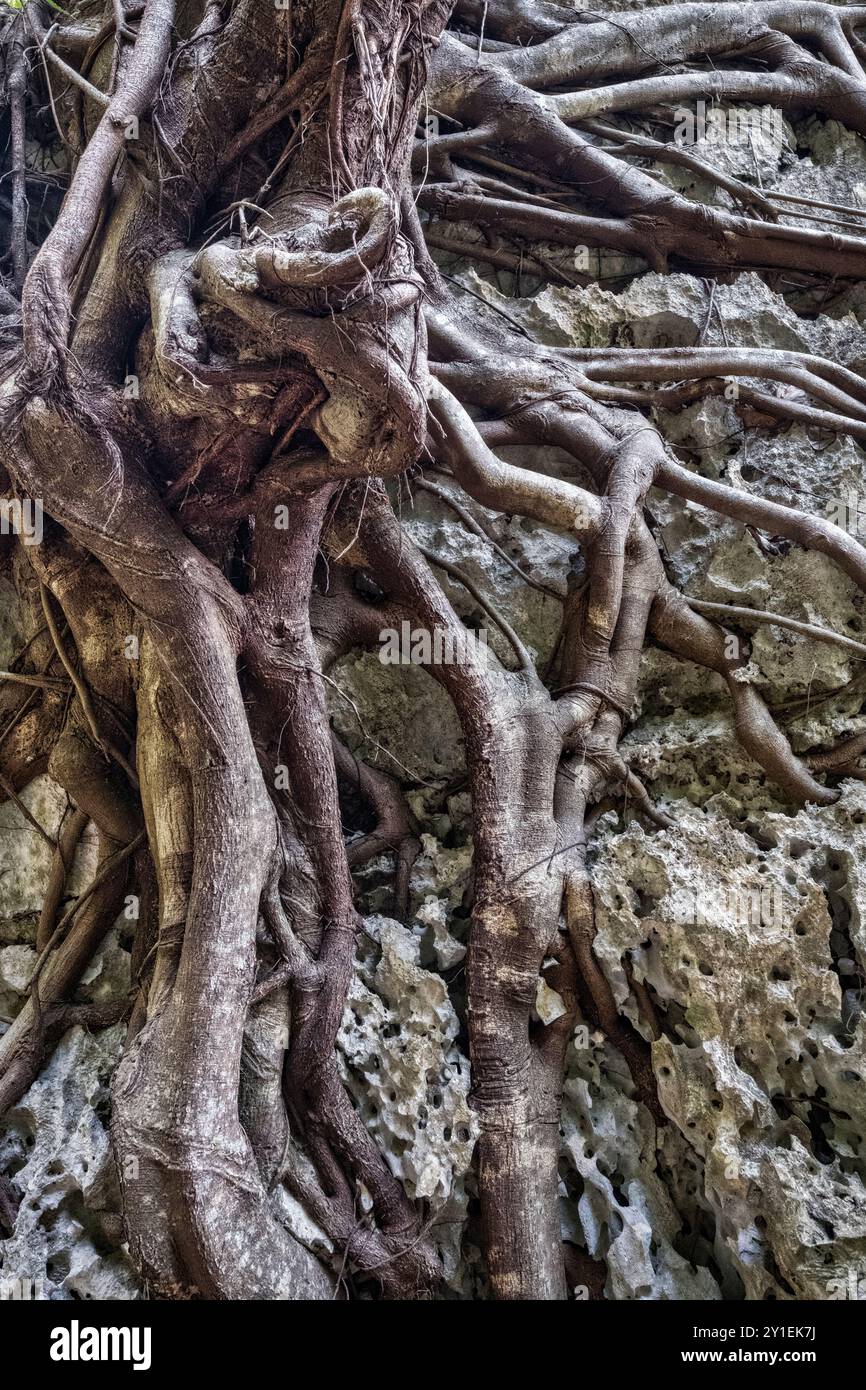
[(25, 857), (410, 1081), (615, 1196), (751, 945), (67, 1241)]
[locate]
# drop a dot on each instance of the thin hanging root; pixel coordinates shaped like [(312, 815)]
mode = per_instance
[(67, 841), (471, 524), (62, 962), (38, 682), (757, 616), (396, 827), (600, 1003), (107, 871), (637, 790), (524, 661), (26, 812), (628, 142)]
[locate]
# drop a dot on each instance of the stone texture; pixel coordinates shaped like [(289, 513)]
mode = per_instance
[(410, 1082), (54, 1144), (402, 1064), (25, 857), (739, 935)]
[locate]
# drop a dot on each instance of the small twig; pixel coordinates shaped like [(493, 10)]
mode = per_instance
[(760, 616), (524, 659), (111, 863), (26, 813), (43, 682), (469, 521), (71, 74)]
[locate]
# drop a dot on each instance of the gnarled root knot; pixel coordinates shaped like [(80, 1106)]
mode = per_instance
[(337, 250)]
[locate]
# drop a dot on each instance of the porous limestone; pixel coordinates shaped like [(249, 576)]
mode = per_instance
[(54, 1145)]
